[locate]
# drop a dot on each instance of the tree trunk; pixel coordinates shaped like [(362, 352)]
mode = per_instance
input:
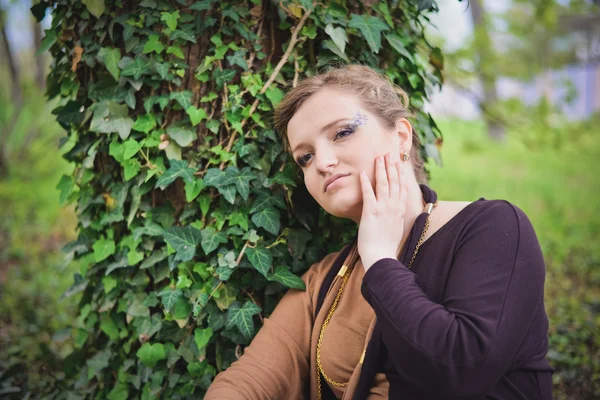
[(483, 46), (14, 74), (40, 71)]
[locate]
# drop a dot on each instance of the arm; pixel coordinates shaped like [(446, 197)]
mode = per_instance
[(464, 345), (276, 363)]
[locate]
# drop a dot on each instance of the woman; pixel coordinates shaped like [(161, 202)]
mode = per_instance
[(433, 299)]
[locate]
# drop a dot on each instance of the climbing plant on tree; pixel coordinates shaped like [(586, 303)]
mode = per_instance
[(192, 221)]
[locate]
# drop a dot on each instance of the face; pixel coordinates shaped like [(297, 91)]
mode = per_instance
[(332, 135)]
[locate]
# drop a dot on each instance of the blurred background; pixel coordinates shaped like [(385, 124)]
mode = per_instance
[(519, 114)]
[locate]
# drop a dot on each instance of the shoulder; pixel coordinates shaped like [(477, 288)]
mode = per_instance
[(498, 220)]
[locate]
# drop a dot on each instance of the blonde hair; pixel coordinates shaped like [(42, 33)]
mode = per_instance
[(378, 94)]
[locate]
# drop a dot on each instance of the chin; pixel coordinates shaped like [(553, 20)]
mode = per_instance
[(342, 204)]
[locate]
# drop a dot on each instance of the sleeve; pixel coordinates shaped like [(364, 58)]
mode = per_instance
[(464, 345), (276, 363)]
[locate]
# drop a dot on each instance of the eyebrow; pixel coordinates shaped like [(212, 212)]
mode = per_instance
[(323, 129)]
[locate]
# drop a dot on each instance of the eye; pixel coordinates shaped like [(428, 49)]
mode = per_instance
[(303, 159), (342, 133)]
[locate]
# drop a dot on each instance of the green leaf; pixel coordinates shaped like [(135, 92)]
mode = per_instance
[(179, 168), (176, 51), (108, 326), (145, 123), (134, 67), (211, 239), (110, 57), (183, 98), (110, 117), (103, 248), (371, 28), (99, 361), (65, 185), (109, 283), (184, 240), (274, 94), (170, 19), (130, 148), (169, 297), (157, 256), (151, 354), (267, 218), (238, 59), (285, 276), (131, 168), (183, 282), (196, 114), (261, 259), (338, 35), (180, 135), (153, 45), (221, 77), (396, 42), (241, 317), (95, 7), (202, 337), (192, 190), (47, 42)]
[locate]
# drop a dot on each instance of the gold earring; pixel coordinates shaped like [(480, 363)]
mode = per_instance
[(405, 157)]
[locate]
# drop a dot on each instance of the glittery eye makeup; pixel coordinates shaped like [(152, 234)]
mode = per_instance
[(358, 120)]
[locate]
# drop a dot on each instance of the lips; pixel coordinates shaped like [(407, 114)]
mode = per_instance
[(332, 179)]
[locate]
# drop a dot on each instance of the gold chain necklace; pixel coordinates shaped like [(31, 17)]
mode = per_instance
[(345, 272)]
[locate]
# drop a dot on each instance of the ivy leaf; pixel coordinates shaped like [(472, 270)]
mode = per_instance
[(131, 168), (157, 256), (95, 7), (103, 248), (221, 77), (170, 19), (130, 148), (211, 239), (47, 42), (134, 67), (396, 42), (151, 354), (238, 59), (179, 168), (261, 259), (65, 185), (274, 94), (338, 35), (99, 361), (241, 180), (196, 114), (285, 276), (371, 28), (153, 45), (202, 337), (180, 135), (241, 317), (169, 297), (110, 58), (110, 117), (184, 98), (176, 51), (267, 218), (184, 240), (192, 190), (145, 123), (108, 326)]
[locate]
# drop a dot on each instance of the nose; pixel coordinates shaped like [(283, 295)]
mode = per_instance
[(325, 159)]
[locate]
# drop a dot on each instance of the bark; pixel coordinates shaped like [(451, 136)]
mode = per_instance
[(483, 46), (10, 60), (40, 60)]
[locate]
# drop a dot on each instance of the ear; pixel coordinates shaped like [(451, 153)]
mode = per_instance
[(404, 131)]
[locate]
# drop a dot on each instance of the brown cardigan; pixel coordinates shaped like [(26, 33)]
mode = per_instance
[(282, 356)]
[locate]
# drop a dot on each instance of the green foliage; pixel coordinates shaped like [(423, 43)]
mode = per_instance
[(191, 221)]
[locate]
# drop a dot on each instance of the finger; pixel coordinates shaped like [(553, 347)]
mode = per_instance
[(367, 189), (393, 177), (381, 179)]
